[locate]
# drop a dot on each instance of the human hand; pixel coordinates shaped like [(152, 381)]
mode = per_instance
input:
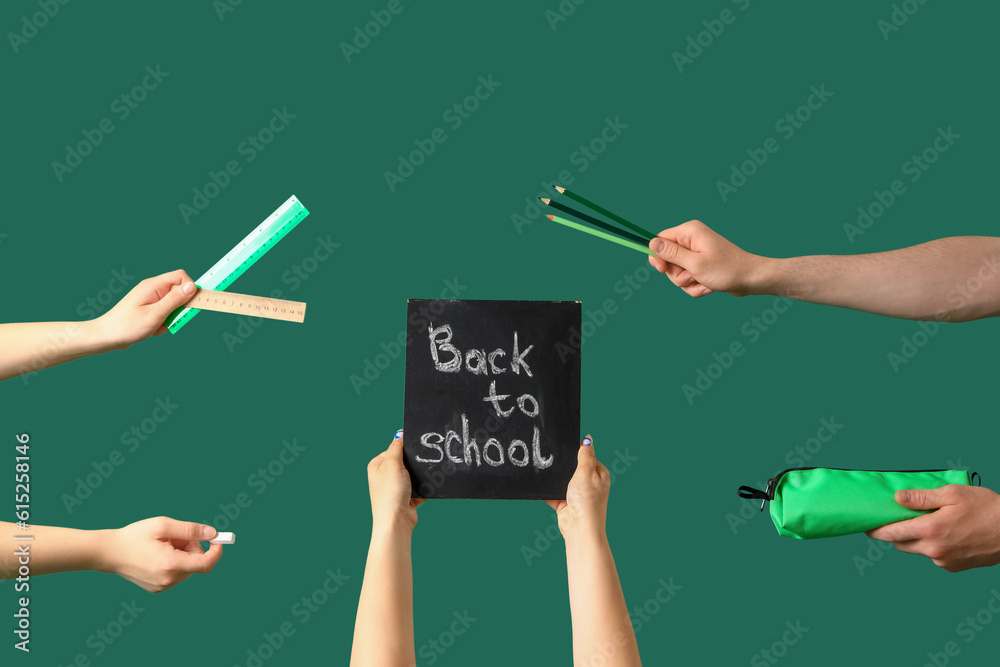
[(585, 510), (389, 488), (141, 313), (157, 554), (962, 534), (700, 261)]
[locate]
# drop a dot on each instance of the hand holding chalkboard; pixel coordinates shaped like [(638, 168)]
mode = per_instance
[(389, 487), (586, 504), (492, 398)]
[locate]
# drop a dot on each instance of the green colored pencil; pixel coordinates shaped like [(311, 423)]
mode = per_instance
[(611, 229), (604, 211), (600, 234)]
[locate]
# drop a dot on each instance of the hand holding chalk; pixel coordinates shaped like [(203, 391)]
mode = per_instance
[(700, 261), (389, 488), (157, 554), (584, 512), (141, 312)]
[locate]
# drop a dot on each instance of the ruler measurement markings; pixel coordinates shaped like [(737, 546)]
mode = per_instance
[(264, 237)]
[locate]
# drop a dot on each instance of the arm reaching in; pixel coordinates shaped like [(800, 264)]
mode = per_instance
[(963, 532), (383, 631), (953, 279), (31, 346), (601, 623), (155, 554)]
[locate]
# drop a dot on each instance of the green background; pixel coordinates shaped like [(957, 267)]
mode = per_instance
[(451, 221)]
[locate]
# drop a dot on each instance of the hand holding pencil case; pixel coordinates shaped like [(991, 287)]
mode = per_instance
[(808, 503)]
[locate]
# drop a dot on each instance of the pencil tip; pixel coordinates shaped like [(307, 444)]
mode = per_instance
[(559, 188), (544, 200), (551, 217)]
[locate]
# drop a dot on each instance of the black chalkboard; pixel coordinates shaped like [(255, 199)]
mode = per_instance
[(492, 398)]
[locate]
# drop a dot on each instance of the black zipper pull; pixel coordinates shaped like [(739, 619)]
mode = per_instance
[(751, 493)]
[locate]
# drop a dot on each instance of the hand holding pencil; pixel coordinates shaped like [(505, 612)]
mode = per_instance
[(700, 261), (695, 258)]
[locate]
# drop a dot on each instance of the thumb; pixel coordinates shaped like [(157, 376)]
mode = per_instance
[(921, 499), (671, 252), (586, 458), (168, 291), (395, 449), (186, 530), (176, 297)]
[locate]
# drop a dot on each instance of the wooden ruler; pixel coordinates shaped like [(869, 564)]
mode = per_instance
[(242, 257), (243, 304)]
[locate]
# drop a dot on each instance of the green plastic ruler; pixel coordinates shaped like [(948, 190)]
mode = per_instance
[(243, 256)]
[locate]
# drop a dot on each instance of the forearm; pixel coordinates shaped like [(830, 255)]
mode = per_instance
[(601, 624), (32, 346), (383, 631), (954, 279), (50, 550)]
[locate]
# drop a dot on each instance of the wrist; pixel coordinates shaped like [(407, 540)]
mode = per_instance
[(583, 535), (97, 336), (586, 544), (768, 277), (97, 552), (394, 526)]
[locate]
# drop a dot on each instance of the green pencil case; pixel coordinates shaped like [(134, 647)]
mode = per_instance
[(807, 503)]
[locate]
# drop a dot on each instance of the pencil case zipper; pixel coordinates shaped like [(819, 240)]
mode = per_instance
[(767, 494)]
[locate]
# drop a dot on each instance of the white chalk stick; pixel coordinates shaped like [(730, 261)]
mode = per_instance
[(224, 538)]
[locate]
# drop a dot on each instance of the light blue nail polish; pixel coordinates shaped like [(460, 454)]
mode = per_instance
[(587, 442), (399, 434)]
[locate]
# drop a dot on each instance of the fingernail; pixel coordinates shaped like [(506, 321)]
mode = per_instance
[(656, 245), (399, 434), (207, 532), (587, 441), (188, 288), (904, 496)]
